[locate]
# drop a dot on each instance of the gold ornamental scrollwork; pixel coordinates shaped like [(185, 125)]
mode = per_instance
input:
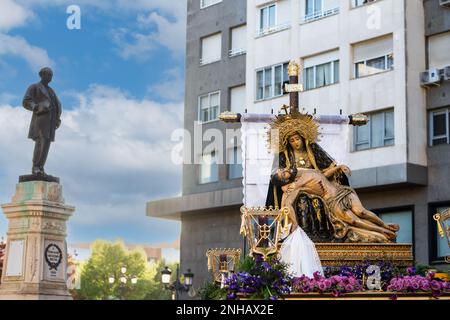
[(443, 226), (222, 262), (263, 229)]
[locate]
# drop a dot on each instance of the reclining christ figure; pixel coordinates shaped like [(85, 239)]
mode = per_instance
[(347, 214)]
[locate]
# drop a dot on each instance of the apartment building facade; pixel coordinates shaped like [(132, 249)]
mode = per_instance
[(215, 82), (368, 57), (437, 33), (358, 56)]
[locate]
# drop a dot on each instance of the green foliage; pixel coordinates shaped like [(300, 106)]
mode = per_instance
[(156, 289), (106, 260), (246, 265), (212, 291)]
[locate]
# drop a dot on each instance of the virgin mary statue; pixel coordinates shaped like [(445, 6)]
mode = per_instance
[(293, 140), (315, 190)]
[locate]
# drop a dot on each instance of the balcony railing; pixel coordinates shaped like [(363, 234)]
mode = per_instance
[(320, 14), (272, 29), (236, 52), (359, 3)]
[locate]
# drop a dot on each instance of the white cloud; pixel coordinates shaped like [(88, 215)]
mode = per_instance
[(170, 34), (170, 88), (112, 154), (17, 46), (133, 45), (163, 23), (12, 15), (172, 7), (158, 30)]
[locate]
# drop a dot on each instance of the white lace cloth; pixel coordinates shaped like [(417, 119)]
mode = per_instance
[(299, 252)]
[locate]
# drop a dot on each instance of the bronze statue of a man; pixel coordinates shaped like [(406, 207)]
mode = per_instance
[(46, 108)]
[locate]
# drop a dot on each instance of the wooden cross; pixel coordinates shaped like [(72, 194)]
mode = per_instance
[(293, 88)]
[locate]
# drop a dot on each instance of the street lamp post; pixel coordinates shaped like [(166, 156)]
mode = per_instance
[(177, 287), (123, 279)]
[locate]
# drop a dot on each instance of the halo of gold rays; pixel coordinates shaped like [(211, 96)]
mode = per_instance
[(285, 126)]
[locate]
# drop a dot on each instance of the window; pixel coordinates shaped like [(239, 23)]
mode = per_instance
[(209, 107), (267, 18), (270, 81), (211, 49), (439, 127), (321, 75), (378, 133), (438, 49), (237, 99), (209, 169), (235, 163), (440, 245), (374, 66), (207, 3), (405, 220), (317, 9), (238, 41), (373, 56), (358, 3)]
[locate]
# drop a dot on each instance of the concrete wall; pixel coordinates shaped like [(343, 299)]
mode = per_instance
[(437, 21), (221, 75), (200, 232), (407, 163), (437, 17)]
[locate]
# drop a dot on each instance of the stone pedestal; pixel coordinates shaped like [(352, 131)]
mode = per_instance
[(35, 266)]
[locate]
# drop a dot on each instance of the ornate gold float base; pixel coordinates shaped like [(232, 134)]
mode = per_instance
[(349, 254)]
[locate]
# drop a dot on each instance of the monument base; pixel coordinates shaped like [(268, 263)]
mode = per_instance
[(350, 254), (34, 292), (38, 177), (35, 266)]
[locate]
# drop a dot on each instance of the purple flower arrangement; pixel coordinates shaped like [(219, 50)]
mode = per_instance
[(387, 271), (259, 279), (337, 285), (413, 283)]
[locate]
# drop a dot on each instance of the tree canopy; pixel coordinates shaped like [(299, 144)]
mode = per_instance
[(107, 260)]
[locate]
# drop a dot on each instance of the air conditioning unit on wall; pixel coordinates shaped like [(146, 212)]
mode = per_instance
[(444, 3), (446, 73), (430, 78)]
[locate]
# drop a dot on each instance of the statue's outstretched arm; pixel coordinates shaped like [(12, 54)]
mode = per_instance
[(332, 171)]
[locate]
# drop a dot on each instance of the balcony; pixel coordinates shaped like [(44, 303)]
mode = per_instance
[(360, 3), (320, 15), (272, 29), (236, 52)]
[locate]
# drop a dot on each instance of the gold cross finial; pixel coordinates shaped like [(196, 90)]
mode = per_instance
[(285, 108), (293, 69)]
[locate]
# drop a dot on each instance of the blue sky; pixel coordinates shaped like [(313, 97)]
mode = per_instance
[(120, 80)]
